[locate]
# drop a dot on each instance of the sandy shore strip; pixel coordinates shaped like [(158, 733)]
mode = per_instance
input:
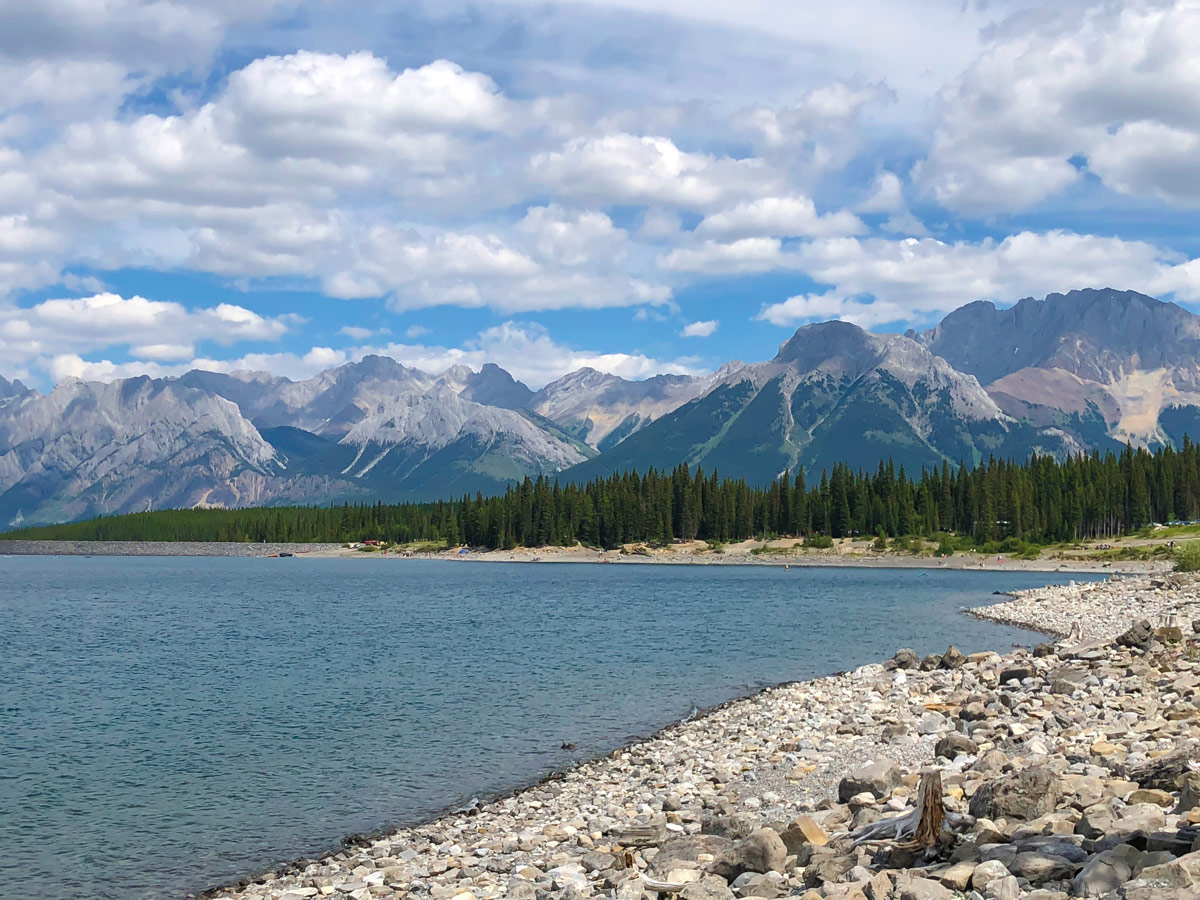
[(1061, 762), (693, 553)]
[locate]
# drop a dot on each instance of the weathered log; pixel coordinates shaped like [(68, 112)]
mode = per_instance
[(639, 835), (927, 824)]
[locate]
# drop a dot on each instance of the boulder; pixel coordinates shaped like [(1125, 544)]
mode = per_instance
[(710, 887), (906, 658), (1022, 795), (1038, 867), (763, 851), (685, 850), (990, 763), (953, 744), (987, 872), (952, 659), (1105, 872), (911, 887), (803, 830), (1097, 821), (1140, 635), (1016, 673), (877, 778)]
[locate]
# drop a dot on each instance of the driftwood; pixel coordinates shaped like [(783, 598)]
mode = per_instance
[(663, 887), (927, 824), (639, 835)]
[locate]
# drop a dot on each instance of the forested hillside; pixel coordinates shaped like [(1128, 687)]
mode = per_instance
[(1040, 500)]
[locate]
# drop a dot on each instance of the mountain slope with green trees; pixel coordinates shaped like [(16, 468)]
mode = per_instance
[(833, 394), (1039, 501)]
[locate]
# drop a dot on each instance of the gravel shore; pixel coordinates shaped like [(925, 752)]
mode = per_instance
[(1063, 770)]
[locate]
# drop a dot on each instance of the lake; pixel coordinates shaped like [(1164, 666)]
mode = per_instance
[(167, 724)]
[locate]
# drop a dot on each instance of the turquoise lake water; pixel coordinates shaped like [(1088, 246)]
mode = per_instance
[(168, 724)]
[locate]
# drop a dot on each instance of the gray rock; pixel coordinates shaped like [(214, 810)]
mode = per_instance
[(1038, 867), (710, 887), (1022, 795), (911, 887), (1140, 635), (1102, 873), (953, 744), (877, 778), (683, 851), (952, 659), (906, 658), (763, 851)]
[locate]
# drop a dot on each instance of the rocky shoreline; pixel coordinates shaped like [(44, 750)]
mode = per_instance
[(1064, 770)]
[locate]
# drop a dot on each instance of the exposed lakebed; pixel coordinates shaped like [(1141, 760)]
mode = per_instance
[(167, 724)]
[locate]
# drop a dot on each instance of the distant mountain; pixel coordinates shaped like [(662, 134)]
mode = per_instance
[(834, 393), (492, 386), (1106, 365), (87, 448), (603, 409), (370, 429), (1073, 372), (11, 389)]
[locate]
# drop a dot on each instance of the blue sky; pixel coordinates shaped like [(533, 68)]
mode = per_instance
[(641, 186)]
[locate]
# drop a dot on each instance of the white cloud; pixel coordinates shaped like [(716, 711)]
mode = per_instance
[(648, 170), (528, 352), (573, 238), (703, 328), (150, 329), (792, 216), (355, 332), (821, 307), (914, 279), (1114, 91), (163, 351), (415, 331), (717, 258)]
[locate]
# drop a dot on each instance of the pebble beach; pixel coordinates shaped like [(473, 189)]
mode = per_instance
[(1063, 767)]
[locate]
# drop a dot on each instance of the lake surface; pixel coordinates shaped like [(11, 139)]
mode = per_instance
[(167, 724)]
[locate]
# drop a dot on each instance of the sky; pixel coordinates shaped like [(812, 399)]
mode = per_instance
[(640, 186)]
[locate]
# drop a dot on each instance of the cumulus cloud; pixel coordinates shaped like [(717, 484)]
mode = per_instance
[(720, 258), (703, 328), (791, 216), (648, 170), (530, 354), (1113, 91), (914, 278), (525, 349), (158, 331)]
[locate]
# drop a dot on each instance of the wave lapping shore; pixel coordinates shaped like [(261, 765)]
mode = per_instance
[(1066, 771)]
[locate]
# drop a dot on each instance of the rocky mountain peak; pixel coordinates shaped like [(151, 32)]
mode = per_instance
[(493, 386), (1097, 335), (9, 389), (830, 345)]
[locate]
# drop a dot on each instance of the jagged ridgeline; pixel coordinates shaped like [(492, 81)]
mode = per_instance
[(1038, 501), (1089, 370)]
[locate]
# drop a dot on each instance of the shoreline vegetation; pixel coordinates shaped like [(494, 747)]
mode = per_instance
[(1062, 767), (995, 507), (1150, 552)]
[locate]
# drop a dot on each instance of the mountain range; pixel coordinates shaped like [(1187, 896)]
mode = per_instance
[(1086, 370)]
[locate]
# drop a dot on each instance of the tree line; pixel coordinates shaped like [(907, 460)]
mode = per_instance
[(1040, 500)]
